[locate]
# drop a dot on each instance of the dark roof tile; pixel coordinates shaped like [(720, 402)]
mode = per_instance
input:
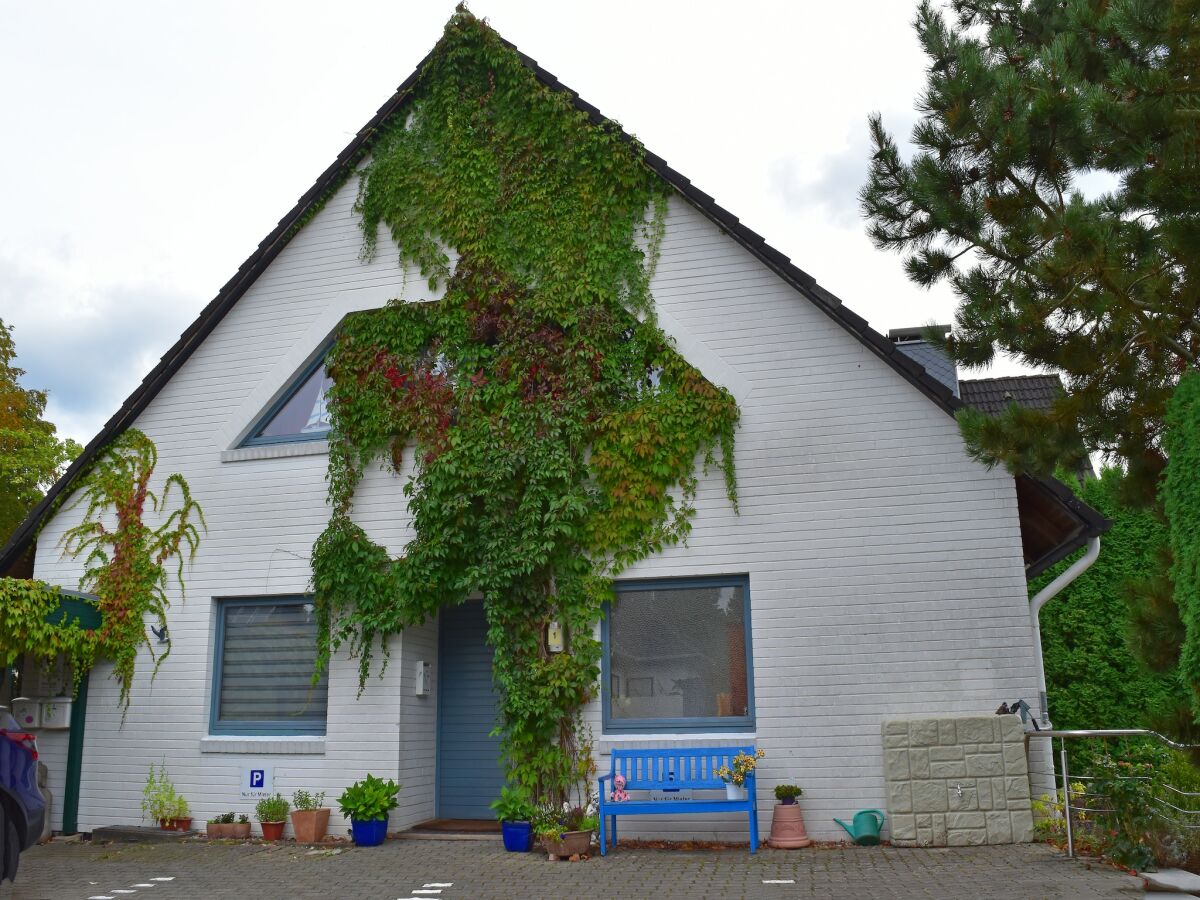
[(993, 395)]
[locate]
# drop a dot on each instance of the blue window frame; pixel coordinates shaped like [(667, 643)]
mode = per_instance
[(677, 656), (266, 648), (300, 413)]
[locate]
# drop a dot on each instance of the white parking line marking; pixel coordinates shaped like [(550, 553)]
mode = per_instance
[(779, 881), (102, 897), (439, 884), (427, 891), (172, 878), (144, 884)]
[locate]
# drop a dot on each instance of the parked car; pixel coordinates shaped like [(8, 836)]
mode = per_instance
[(22, 810)]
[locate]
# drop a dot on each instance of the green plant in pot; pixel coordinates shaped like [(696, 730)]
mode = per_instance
[(241, 828), (162, 803), (516, 813), (272, 813), (787, 793), (366, 804), (222, 826), (787, 820), (310, 816)]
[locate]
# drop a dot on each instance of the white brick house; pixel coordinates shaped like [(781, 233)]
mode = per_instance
[(874, 571)]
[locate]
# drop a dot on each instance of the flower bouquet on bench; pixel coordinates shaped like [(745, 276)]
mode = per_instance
[(734, 775)]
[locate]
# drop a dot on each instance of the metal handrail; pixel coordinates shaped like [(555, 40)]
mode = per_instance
[(1110, 732), (1062, 734)]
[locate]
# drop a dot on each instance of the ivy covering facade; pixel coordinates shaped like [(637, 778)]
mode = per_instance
[(550, 433)]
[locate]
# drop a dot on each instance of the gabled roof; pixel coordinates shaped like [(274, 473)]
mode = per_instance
[(335, 175), (993, 395)]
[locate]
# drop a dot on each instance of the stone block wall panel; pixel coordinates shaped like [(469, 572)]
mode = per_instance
[(957, 781)]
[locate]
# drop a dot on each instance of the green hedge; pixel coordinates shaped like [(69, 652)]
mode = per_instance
[(1093, 678), (1181, 500)]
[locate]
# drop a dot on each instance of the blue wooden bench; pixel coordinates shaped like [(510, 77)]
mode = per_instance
[(687, 768)]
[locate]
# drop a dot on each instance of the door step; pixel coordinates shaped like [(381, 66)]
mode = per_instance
[(454, 830)]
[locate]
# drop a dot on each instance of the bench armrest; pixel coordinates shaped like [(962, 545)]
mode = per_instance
[(604, 778)]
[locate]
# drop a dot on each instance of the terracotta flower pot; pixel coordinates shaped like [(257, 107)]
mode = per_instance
[(568, 844), (183, 824), (272, 831), (239, 830), (310, 825), (166, 824), (216, 830), (787, 827)]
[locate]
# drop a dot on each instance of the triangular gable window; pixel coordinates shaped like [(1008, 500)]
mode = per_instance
[(300, 414)]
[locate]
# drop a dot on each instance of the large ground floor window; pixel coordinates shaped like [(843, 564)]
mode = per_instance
[(262, 673), (677, 656)]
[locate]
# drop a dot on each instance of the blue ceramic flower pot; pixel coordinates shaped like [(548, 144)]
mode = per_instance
[(518, 836), (368, 834)]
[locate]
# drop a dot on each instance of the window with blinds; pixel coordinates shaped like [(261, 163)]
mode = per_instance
[(262, 679)]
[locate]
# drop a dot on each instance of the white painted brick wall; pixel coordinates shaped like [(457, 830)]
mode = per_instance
[(885, 566)]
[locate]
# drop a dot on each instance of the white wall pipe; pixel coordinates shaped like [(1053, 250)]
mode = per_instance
[(1042, 597)]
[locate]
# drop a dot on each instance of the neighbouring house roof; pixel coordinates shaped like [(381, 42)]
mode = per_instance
[(1084, 521), (993, 395)]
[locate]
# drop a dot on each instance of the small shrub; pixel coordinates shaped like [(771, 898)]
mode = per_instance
[(513, 805), (785, 792), (369, 800), (303, 800), (271, 809)]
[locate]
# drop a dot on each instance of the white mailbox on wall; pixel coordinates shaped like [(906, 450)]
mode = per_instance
[(56, 712), (27, 712)]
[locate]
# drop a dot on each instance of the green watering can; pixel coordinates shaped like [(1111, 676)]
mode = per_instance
[(867, 823)]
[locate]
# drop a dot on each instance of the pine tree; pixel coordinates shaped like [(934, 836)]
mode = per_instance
[(1024, 99)]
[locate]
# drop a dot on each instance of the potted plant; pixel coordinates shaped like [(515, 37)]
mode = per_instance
[(241, 828), (516, 814), (734, 775), (787, 822), (565, 831), (366, 804), (221, 826), (565, 828), (181, 815), (310, 817), (162, 803), (272, 813), (787, 793)]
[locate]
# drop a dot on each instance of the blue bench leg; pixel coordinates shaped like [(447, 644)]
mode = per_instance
[(614, 831), (603, 829), (753, 831)]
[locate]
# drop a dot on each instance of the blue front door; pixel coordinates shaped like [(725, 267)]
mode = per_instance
[(469, 774)]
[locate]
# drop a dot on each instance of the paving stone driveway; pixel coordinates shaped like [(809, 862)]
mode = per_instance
[(475, 870)]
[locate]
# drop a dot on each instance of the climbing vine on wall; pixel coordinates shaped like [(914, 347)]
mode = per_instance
[(26, 628), (549, 432), (127, 565)]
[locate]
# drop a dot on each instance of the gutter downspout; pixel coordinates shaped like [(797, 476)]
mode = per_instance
[(1042, 597)]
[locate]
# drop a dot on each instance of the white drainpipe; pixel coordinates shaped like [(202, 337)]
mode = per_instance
[(1043, 596)]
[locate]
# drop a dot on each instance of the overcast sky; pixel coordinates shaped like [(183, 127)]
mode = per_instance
[(149, 146)]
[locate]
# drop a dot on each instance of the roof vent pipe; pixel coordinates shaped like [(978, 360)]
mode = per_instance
[(1044, 596)]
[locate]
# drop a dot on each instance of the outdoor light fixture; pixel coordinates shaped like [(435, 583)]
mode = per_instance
[(554, 637)]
